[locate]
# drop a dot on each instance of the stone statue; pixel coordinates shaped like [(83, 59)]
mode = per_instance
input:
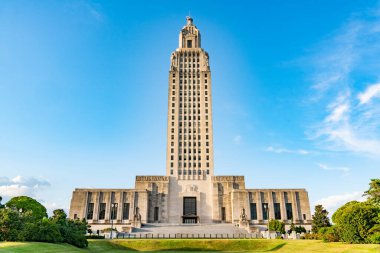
[(136, 222), (137, 215), (243, 217)]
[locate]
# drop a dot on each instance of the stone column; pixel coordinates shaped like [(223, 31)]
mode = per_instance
[(96, 206), (107, 198), (284, 217), (259, 207), (296, 217), (119, 213), (271, 206)]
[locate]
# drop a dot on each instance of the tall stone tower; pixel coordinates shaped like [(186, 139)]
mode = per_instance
[(190, 192), (189, 133)]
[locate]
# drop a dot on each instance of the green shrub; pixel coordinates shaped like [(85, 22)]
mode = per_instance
[(95, 236), (330, 234), (374, 238), (276, 225), (354, 221)]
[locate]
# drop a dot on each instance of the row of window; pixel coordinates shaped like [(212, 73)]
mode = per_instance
[(185, 74), (192, 172), (199, 151), (112, 213), (185, 95), (277, 211), (185, 82), (188, 65), (185, 144), (189, 158), (184, 137), (189, 130), (199, 105)]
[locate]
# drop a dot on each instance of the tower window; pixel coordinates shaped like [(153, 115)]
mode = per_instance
[(189, 44)]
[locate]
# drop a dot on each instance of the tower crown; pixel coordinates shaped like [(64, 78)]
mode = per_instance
[(189, 37)]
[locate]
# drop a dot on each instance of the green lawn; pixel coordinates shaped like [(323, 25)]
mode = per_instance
[(198, 245)]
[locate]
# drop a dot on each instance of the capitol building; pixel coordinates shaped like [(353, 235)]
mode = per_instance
[(190, 192)]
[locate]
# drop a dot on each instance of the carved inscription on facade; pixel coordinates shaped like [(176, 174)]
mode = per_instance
[(151, 178), (228, 178)]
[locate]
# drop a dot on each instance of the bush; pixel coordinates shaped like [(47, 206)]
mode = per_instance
[(276, 225), (330, 234), (311, 237), (374, 238), (354, 221), (95, 237)]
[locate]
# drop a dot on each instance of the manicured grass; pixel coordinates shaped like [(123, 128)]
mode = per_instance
[(178, 245)]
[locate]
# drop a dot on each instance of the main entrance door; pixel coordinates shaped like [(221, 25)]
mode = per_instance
[(189, 210)]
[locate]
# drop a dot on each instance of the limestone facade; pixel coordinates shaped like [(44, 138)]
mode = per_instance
[(189, 193)]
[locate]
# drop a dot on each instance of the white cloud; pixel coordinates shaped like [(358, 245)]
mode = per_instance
[(351, 117), (289, 151), (326, 167), (237, 139), (333, 202), (371, 92), (19, 185)]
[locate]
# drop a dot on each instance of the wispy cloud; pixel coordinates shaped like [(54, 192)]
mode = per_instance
[(333, 202), (326, 167), (85, 11), (351, 118), (371, 92), (288, 151), (11, 187)]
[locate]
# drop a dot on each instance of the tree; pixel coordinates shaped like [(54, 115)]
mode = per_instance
[(276, 225), (373, 193), (26, 204), (1, 205), (10, 225), (300, 229), (320, 219), (355, 220), (72, 231)]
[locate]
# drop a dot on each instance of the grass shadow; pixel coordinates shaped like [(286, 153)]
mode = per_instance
[(277, 247)]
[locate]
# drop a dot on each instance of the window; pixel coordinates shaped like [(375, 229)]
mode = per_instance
[(173, 80), (304, 216), (208, 172), (265, 211), (171, 172), (277, 211), (253, 211), (156, 209), (113, 211), (90, 211), (102, 211), (126, 211), (289, 211), (189, 44)]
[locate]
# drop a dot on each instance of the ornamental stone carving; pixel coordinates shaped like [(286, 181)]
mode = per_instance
[(151, 178)]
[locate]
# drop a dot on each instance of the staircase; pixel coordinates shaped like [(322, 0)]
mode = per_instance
[(161, 230)]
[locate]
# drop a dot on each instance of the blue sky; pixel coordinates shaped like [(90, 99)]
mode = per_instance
[(83, 93)]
